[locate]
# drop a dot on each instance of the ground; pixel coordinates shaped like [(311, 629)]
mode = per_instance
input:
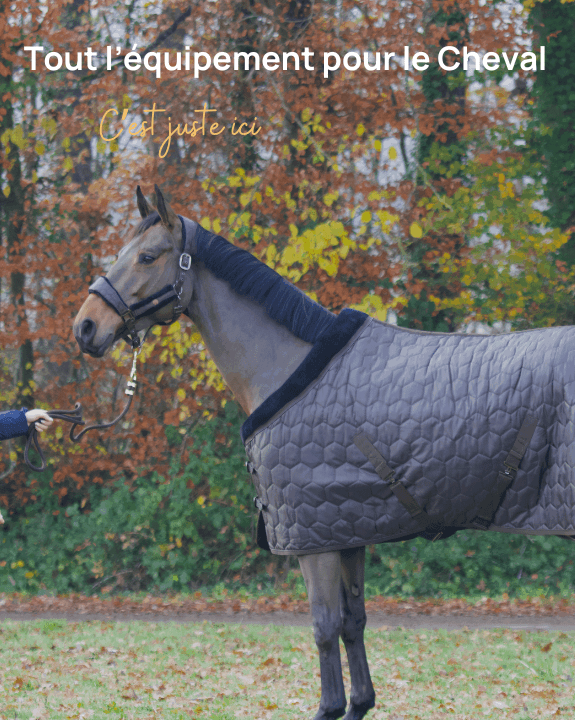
[(534, 614)]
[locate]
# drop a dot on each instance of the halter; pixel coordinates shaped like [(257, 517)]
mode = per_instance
[(130, 314)]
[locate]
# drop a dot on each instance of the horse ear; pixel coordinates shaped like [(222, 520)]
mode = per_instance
[(167, 215), (143, 206)]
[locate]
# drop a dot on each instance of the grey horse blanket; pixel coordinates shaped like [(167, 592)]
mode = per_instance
[(444, 410)]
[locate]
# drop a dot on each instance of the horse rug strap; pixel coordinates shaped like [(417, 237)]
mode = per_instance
[(364, 444), (507, 474), (487, 511)]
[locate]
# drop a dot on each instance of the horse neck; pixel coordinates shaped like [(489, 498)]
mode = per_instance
[(254, 354)]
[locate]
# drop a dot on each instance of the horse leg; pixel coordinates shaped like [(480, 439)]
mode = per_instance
[(322, 575), (353, 617)]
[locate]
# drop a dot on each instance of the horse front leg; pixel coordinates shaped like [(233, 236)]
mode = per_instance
[(322, 575), (362, 697)]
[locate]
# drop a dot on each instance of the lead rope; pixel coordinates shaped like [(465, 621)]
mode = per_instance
[(130, 389), (75, 417)]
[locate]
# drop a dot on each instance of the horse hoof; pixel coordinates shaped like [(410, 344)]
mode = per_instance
[(357, 712), (330, 714)]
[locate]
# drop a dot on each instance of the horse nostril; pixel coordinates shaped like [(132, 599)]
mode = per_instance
[(87, 331)]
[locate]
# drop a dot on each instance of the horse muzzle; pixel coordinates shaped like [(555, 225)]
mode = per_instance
[(85, 333)]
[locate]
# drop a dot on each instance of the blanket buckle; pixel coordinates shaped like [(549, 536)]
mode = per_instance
[(258, 504)]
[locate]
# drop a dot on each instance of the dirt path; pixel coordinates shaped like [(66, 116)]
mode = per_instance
[(375, 620), (530, 614)]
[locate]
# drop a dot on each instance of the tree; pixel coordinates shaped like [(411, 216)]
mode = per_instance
[(554, 134), (329, 182)]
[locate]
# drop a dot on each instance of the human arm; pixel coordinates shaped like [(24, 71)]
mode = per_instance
[(13, 424), (16, 422)]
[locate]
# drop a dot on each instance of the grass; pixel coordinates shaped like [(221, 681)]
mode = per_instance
[(54, 670)]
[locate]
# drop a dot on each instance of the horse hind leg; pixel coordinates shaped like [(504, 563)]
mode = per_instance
[(353, 617), (322, 575)]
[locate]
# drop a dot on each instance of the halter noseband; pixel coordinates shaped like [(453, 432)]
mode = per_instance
[(130, 314)]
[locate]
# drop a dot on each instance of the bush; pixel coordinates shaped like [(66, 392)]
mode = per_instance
[(473, 563), (195, 527)]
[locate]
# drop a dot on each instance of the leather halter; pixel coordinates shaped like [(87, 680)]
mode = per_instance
[(130, 314)]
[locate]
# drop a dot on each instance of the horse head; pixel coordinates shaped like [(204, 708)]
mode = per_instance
[(150, 283)]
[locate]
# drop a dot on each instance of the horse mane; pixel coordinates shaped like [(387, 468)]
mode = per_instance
[(250, 277)]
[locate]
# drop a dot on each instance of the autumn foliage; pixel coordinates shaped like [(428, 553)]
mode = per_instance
[(402, 193)]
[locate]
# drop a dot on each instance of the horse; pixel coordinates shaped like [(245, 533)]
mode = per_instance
[(255, 354), (438, 402)]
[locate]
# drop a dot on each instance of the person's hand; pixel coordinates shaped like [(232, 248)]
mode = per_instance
[(41, 418)]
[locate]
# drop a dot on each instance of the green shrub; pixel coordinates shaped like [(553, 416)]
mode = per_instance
[(473, 563), (195, 527)]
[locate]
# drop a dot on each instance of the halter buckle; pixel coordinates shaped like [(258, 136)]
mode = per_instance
[(127, 316), (185, 261)]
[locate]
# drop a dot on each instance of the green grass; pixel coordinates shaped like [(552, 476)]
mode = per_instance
[(54, 670)]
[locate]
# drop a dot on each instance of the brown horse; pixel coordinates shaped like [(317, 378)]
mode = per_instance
[(258, 329)]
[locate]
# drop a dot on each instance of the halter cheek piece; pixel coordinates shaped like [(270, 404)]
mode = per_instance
[(130, 314)]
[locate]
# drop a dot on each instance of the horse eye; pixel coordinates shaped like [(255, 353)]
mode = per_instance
[(146, 259)]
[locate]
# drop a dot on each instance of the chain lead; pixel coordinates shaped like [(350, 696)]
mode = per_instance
[(131, 384)]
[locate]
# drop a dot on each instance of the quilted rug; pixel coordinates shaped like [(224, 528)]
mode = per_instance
[(443, 410)]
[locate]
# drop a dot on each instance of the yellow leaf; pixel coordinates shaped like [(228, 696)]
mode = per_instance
[(392, 152), (40, 148), (360, 129), (6, 191), (415, 230), (289, 256), (377, 145), (365, 216), (336, 227)]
